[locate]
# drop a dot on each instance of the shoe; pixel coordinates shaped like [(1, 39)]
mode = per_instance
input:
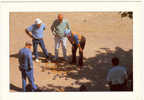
[(37, 60)]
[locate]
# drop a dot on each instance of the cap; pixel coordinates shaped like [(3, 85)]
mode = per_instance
[(38, 21)]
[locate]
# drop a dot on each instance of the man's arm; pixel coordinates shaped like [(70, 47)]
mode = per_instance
[(108, 79), (53, 28), (29, 33), (30, 61), (20, 61), (68, 26), (125, 76)]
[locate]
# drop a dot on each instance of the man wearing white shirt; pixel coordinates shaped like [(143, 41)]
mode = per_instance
[(117, 76)]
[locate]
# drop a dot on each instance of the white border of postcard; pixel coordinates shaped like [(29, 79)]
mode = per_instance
[(5, 1), (138, 48)]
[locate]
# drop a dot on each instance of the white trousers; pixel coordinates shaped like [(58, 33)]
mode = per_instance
[(62, 41)]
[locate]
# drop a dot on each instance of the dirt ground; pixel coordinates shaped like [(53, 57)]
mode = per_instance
[(107, 35)]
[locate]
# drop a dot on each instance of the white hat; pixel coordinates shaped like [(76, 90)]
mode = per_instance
[(38, 21)]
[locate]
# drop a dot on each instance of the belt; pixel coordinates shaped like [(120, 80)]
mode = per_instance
[(38, 39)]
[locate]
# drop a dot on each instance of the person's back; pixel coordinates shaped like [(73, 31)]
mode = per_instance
[(117, 75), (24, 57), (26, 66)]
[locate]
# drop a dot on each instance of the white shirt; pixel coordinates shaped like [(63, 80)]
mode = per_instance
[(117, 75)]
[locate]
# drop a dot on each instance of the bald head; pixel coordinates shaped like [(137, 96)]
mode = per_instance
[(28, 44), (60, 17)]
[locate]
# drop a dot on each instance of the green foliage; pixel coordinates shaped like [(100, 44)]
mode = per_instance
[(127, 14)]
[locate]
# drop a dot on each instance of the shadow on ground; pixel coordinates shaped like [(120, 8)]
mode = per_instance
[(95, 70), (41, 54), (15, 88)]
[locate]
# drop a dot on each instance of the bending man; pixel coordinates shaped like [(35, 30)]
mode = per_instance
[(77, 41)]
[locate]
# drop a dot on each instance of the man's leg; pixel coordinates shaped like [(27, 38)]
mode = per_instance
[(80, 58), (24, 81), (57, 44), (64, 39), (42, 45), (74, 49), (82, 43), (35, 45), (31, 79)]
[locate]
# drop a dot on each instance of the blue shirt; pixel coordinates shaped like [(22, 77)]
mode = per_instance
[(25, 58), (37, 33), (76, 39), (117, 75)]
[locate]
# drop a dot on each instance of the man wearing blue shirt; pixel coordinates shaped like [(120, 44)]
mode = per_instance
[(35, 31), (77, 41), (57, 28), (26, 66), (117, 76)]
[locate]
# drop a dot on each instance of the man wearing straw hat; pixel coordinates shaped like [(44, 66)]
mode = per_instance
[(35, 31)]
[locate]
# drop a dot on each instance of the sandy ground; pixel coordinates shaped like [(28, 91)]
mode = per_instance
[(107, 35)]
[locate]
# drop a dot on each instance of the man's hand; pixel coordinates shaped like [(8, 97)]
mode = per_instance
[(80, 49), (107, 85), (29, 69), (20, 69)]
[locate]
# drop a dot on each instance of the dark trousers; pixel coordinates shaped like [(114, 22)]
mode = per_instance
[(118, 87), (42, 45), (74, 49)]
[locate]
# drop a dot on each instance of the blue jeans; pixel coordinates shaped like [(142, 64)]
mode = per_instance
[(29, 75), (42, 45)]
